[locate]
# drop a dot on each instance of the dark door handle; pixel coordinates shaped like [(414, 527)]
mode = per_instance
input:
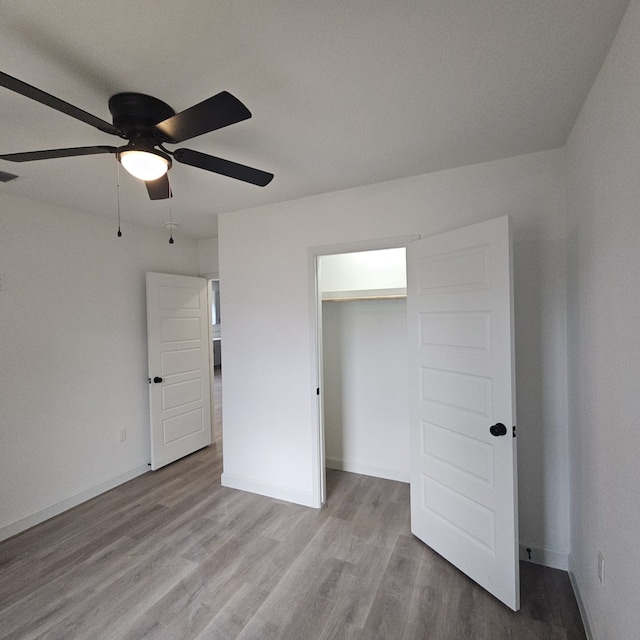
[(498, 429), (158, 379)]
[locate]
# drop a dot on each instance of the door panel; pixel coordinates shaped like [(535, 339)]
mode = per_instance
[(463, 479), (178, 336)]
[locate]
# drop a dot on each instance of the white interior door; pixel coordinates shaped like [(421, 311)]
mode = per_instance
[(461, 383), (179, 387)]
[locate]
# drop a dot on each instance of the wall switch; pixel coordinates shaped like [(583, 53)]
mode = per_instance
[(600, 567), (3, 282), (122, 435)]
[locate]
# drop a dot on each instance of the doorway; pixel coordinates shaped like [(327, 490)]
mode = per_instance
[(364, 362), (335, 288)]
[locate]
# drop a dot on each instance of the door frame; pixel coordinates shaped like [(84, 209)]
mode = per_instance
[(210, 279), (319, 484)]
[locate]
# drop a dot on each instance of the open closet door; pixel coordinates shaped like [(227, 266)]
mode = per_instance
[(462, 403), (179, 386)]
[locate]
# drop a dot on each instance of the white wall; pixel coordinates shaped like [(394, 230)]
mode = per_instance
[(364, 390), (603, 155), (269, 358), (363, 271), (73, 355)]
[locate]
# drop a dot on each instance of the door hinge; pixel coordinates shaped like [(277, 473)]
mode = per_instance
[(514, 430)]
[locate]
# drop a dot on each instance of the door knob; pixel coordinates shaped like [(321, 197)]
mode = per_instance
[(498, 429), (158, 379)]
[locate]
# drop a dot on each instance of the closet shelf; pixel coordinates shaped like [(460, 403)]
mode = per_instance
[(369, 294)]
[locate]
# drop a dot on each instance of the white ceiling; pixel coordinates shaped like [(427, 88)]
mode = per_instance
[(343, 92)]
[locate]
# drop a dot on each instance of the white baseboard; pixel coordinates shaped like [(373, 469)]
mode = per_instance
[(53, 510), (545, 557), (367, 470), (269, 490), (588, 629)]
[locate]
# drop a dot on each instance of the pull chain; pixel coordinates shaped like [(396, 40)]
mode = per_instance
[(170, 219), (118, 194)]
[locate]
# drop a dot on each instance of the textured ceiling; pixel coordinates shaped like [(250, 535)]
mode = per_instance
[(343, 92)]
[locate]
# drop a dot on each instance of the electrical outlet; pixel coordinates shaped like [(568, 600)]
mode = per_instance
[(3, 282), (601, 567), (122, 435)]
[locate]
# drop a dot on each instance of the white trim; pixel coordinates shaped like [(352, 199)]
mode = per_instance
[(583, 611), (212, 399), (318, 478), (68, 503), (544, 557), (306, 499), (367, 470), (373, 244)]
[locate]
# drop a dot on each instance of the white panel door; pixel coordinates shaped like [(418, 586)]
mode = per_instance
[(463, 478), (179, 391)]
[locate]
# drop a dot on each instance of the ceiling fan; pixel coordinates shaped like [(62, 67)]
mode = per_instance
[(148, 124)]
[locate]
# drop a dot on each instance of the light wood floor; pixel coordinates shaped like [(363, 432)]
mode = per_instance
[(173, 555)]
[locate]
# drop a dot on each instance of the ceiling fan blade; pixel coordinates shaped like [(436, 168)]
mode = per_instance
[(55, 103), (48, 154), (214, 113), (223, 167), (159, 189)]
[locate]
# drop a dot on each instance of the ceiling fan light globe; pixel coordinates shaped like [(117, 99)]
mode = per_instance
[(144, 165)]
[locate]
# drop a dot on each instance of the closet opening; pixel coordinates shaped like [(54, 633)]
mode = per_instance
[(363, 363)]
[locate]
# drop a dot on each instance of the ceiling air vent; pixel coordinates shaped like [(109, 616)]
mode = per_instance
[(7, 177)]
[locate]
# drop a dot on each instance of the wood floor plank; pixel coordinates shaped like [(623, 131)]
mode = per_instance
[(388, 614), (232, 620), (111, 609), (51, 599)]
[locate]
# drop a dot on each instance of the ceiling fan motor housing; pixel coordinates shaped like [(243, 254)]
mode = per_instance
[(136, 115)]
